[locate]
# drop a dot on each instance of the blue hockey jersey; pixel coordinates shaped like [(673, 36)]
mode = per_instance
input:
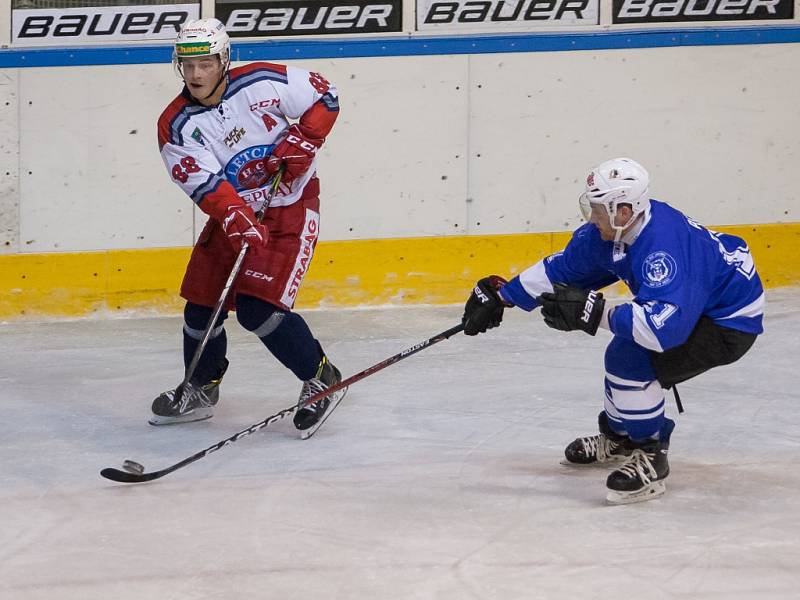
[(676, 269)]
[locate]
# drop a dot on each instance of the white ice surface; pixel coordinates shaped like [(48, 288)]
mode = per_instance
[(436, 478)]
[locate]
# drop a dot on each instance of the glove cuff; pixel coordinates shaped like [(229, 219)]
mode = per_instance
[(496, 282), (304, 131), (593, 312)]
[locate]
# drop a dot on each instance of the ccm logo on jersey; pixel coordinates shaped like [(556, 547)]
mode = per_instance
[(265, 104), (503, 11), (257, 275), (589, 306), (632, 11)]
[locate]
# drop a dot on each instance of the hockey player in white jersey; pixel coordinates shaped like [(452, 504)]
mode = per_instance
[(222, 140), (697, 304)]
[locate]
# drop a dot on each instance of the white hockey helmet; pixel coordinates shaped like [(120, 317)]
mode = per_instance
[(202, 37), (614, 182)]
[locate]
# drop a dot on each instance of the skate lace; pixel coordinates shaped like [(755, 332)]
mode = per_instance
[(191, 395), (599, 446), (311, 387), (640, 465)]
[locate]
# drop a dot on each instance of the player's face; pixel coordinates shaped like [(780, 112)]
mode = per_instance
[(201, 74), (602, 221)]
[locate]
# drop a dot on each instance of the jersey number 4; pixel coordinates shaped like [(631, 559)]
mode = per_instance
[(181, 170)]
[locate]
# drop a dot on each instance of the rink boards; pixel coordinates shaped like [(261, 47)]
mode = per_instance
[(441, 168), (434, 270)]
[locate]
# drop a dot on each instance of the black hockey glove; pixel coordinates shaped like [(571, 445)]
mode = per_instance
[(569, 308), (484, 308)]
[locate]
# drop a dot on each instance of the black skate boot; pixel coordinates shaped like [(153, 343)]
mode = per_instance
[(196, 402), (642, 476), (309, 415), (606, 448)]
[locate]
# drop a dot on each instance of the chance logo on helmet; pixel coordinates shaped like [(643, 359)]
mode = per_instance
[(193, 49)]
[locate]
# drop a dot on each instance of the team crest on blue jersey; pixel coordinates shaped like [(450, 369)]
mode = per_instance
[(659, 269), (246, 170)]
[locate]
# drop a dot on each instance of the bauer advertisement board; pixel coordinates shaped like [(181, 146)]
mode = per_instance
[(685, 11), (78, 26), (269, 18), (498, 16)]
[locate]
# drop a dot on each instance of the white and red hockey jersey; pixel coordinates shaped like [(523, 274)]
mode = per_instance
[(216, 154)]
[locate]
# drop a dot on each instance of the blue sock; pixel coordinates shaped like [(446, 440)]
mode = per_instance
[(285, 334), (195, 320)]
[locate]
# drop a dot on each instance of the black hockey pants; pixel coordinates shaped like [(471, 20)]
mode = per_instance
[(708, 346)]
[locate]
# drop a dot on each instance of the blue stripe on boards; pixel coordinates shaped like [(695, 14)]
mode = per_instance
[(416, 45)]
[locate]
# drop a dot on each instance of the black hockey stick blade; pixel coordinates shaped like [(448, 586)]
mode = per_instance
[(121, 476), (126, 477)]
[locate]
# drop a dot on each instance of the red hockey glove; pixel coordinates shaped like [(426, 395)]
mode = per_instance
[(296, 151), (240, 225)]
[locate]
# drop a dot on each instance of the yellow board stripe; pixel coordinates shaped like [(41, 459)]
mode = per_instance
[(433, 270)]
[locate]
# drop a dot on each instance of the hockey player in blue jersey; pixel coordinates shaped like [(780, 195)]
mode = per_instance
[(697, 304)]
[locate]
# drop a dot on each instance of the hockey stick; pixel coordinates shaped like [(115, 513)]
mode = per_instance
[(135, 471), (180, 395)]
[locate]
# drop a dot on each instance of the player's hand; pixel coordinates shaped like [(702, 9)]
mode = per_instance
[(484, 308), (568, 308), (240, 225), (296, 152)]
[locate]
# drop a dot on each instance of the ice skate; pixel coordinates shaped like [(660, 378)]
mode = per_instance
[(309, 415), (606, 448), (195, 403), (642, 476)]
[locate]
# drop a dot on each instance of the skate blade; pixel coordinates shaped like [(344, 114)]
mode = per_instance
[(648, 492), (307, 433), (198, 414), (611, 462)]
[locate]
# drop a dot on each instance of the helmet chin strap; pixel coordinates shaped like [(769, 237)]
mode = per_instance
[(619, 229)]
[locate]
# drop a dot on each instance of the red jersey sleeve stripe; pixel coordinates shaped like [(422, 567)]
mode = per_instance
[(277, 71), (318, 120)]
